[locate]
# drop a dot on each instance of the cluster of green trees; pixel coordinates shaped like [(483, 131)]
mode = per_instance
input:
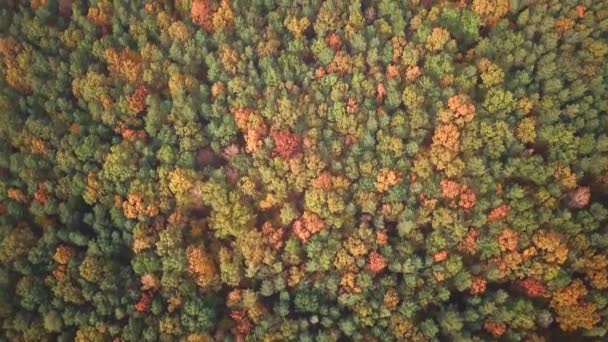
[(393, 170)]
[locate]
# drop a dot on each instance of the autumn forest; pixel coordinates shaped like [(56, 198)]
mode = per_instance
[(303, 170)]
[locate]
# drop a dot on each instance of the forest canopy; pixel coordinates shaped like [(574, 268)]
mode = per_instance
[(279, 170)]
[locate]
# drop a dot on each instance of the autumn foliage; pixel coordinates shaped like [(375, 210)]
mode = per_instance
[(222, 170)]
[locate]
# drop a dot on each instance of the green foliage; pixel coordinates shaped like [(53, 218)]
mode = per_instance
[(320, 171)]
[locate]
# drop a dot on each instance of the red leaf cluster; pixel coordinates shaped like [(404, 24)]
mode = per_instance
[(41, 195), (242, 324), (286, 144), (145, 301)]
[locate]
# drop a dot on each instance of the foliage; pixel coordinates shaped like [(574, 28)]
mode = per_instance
[(333, 170)]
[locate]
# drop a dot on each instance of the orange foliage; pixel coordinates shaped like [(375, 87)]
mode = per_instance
[(37, 3), (467, 199), (201, 266), (412, 72), (286, 144), (355, 246), (38, 146), (449, 189), (202, 14), (334, 41), (564, 25), (127, 64), (307, 225), (440, 256), (174, 302), (41, 195), (392, 71), (508, 262), (507, 240), (269, 202), (133, 135), (580, 10), (137, 100), (391, 299), (491, 11), (398, 45), (320, 72), (555, 251), (499, 212), (349, 282), (341, 64), (596, 268), (134, 206), (59, 272), (469, 244), (223, 18), (495, 328), (241, 117), (100, 16), (447, 136), (229, 59), (437, 39), (322, 182), (569, 295), (387, 178), (377, 262), (149, 282), (572, 310), (273, 235), (63, 254), (532, 287), (381, 237), (16, 195), (461, 108), (217, 89), (234, 297), (478, 286)]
